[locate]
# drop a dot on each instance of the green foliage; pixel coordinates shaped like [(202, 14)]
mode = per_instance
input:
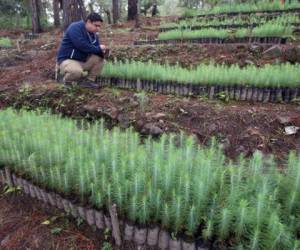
[(5, 42), (14, 13), (106, 246), (192, 34), (269, 29), (270, 75), (284, 19), (172, 182), (251, 6)]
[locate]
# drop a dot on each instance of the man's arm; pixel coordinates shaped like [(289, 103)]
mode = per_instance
[(80, 43)]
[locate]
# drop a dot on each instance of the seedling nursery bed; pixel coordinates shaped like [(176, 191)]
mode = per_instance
[(225, 26), (122, 230), (110, 179), (234, 92), (260, 13), (260, 40)]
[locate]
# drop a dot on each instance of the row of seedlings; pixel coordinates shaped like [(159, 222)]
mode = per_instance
[(230, 23), (220, 26), (125, 229), (5, 43), (252, 84), (268, 33), (122, 230), (248, 204), (245, 9)]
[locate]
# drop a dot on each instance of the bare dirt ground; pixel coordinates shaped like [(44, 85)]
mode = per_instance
[(21, 226), (26, 80), (29, 224)]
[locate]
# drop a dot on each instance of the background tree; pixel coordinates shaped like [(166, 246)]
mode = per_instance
[(115, 10), (154, 8), (132, 9), (137, 17), (73, 10), (56, 8), (35, 16)]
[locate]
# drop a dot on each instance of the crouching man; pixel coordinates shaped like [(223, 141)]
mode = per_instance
[(80, 51)]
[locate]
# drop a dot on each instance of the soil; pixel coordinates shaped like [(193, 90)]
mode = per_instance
[(26, 223), (241, 127), (26, 80)]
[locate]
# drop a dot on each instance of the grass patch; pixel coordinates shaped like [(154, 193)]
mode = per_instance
[(5, 42)]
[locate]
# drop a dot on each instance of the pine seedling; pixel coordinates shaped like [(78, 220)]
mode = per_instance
[(225, 223), (293, 183), (97, 199), (133, 208), (296, 245), (242, 219), (176, 211), (82, 183), (192, 221), (109, 196), (59, 179), (52, 178), (165, 216), (207, 233), (260, 210), (255, 240), (66, 184), (157, 204), (144, 211), (278, 237)]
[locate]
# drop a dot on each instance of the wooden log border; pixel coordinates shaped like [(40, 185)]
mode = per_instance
[(213, 40), (121, 230)]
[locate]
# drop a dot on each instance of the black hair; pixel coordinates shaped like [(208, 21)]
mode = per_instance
[(94, 17)]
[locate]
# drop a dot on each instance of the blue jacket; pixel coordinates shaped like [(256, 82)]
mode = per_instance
[(78, 44)]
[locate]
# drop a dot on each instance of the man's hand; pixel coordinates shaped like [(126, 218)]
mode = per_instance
[(106, 51), (103, 47)]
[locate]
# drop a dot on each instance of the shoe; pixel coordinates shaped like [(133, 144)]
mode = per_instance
[(67, 83), (87, 83)]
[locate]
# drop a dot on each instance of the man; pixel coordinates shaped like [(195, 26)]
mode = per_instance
[(80, 50)]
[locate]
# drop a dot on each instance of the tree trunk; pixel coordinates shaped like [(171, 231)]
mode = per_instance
[(73, 11), (132, 9), (154, 7), (56, 13), (137, 17), (107, 12), (35, 16), (115, 10)]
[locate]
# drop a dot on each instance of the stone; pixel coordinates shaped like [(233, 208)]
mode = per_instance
[(5, 241), (159, 116), (249, 62), (152, 129), (254, 48), (125, 119), (292, 54)]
